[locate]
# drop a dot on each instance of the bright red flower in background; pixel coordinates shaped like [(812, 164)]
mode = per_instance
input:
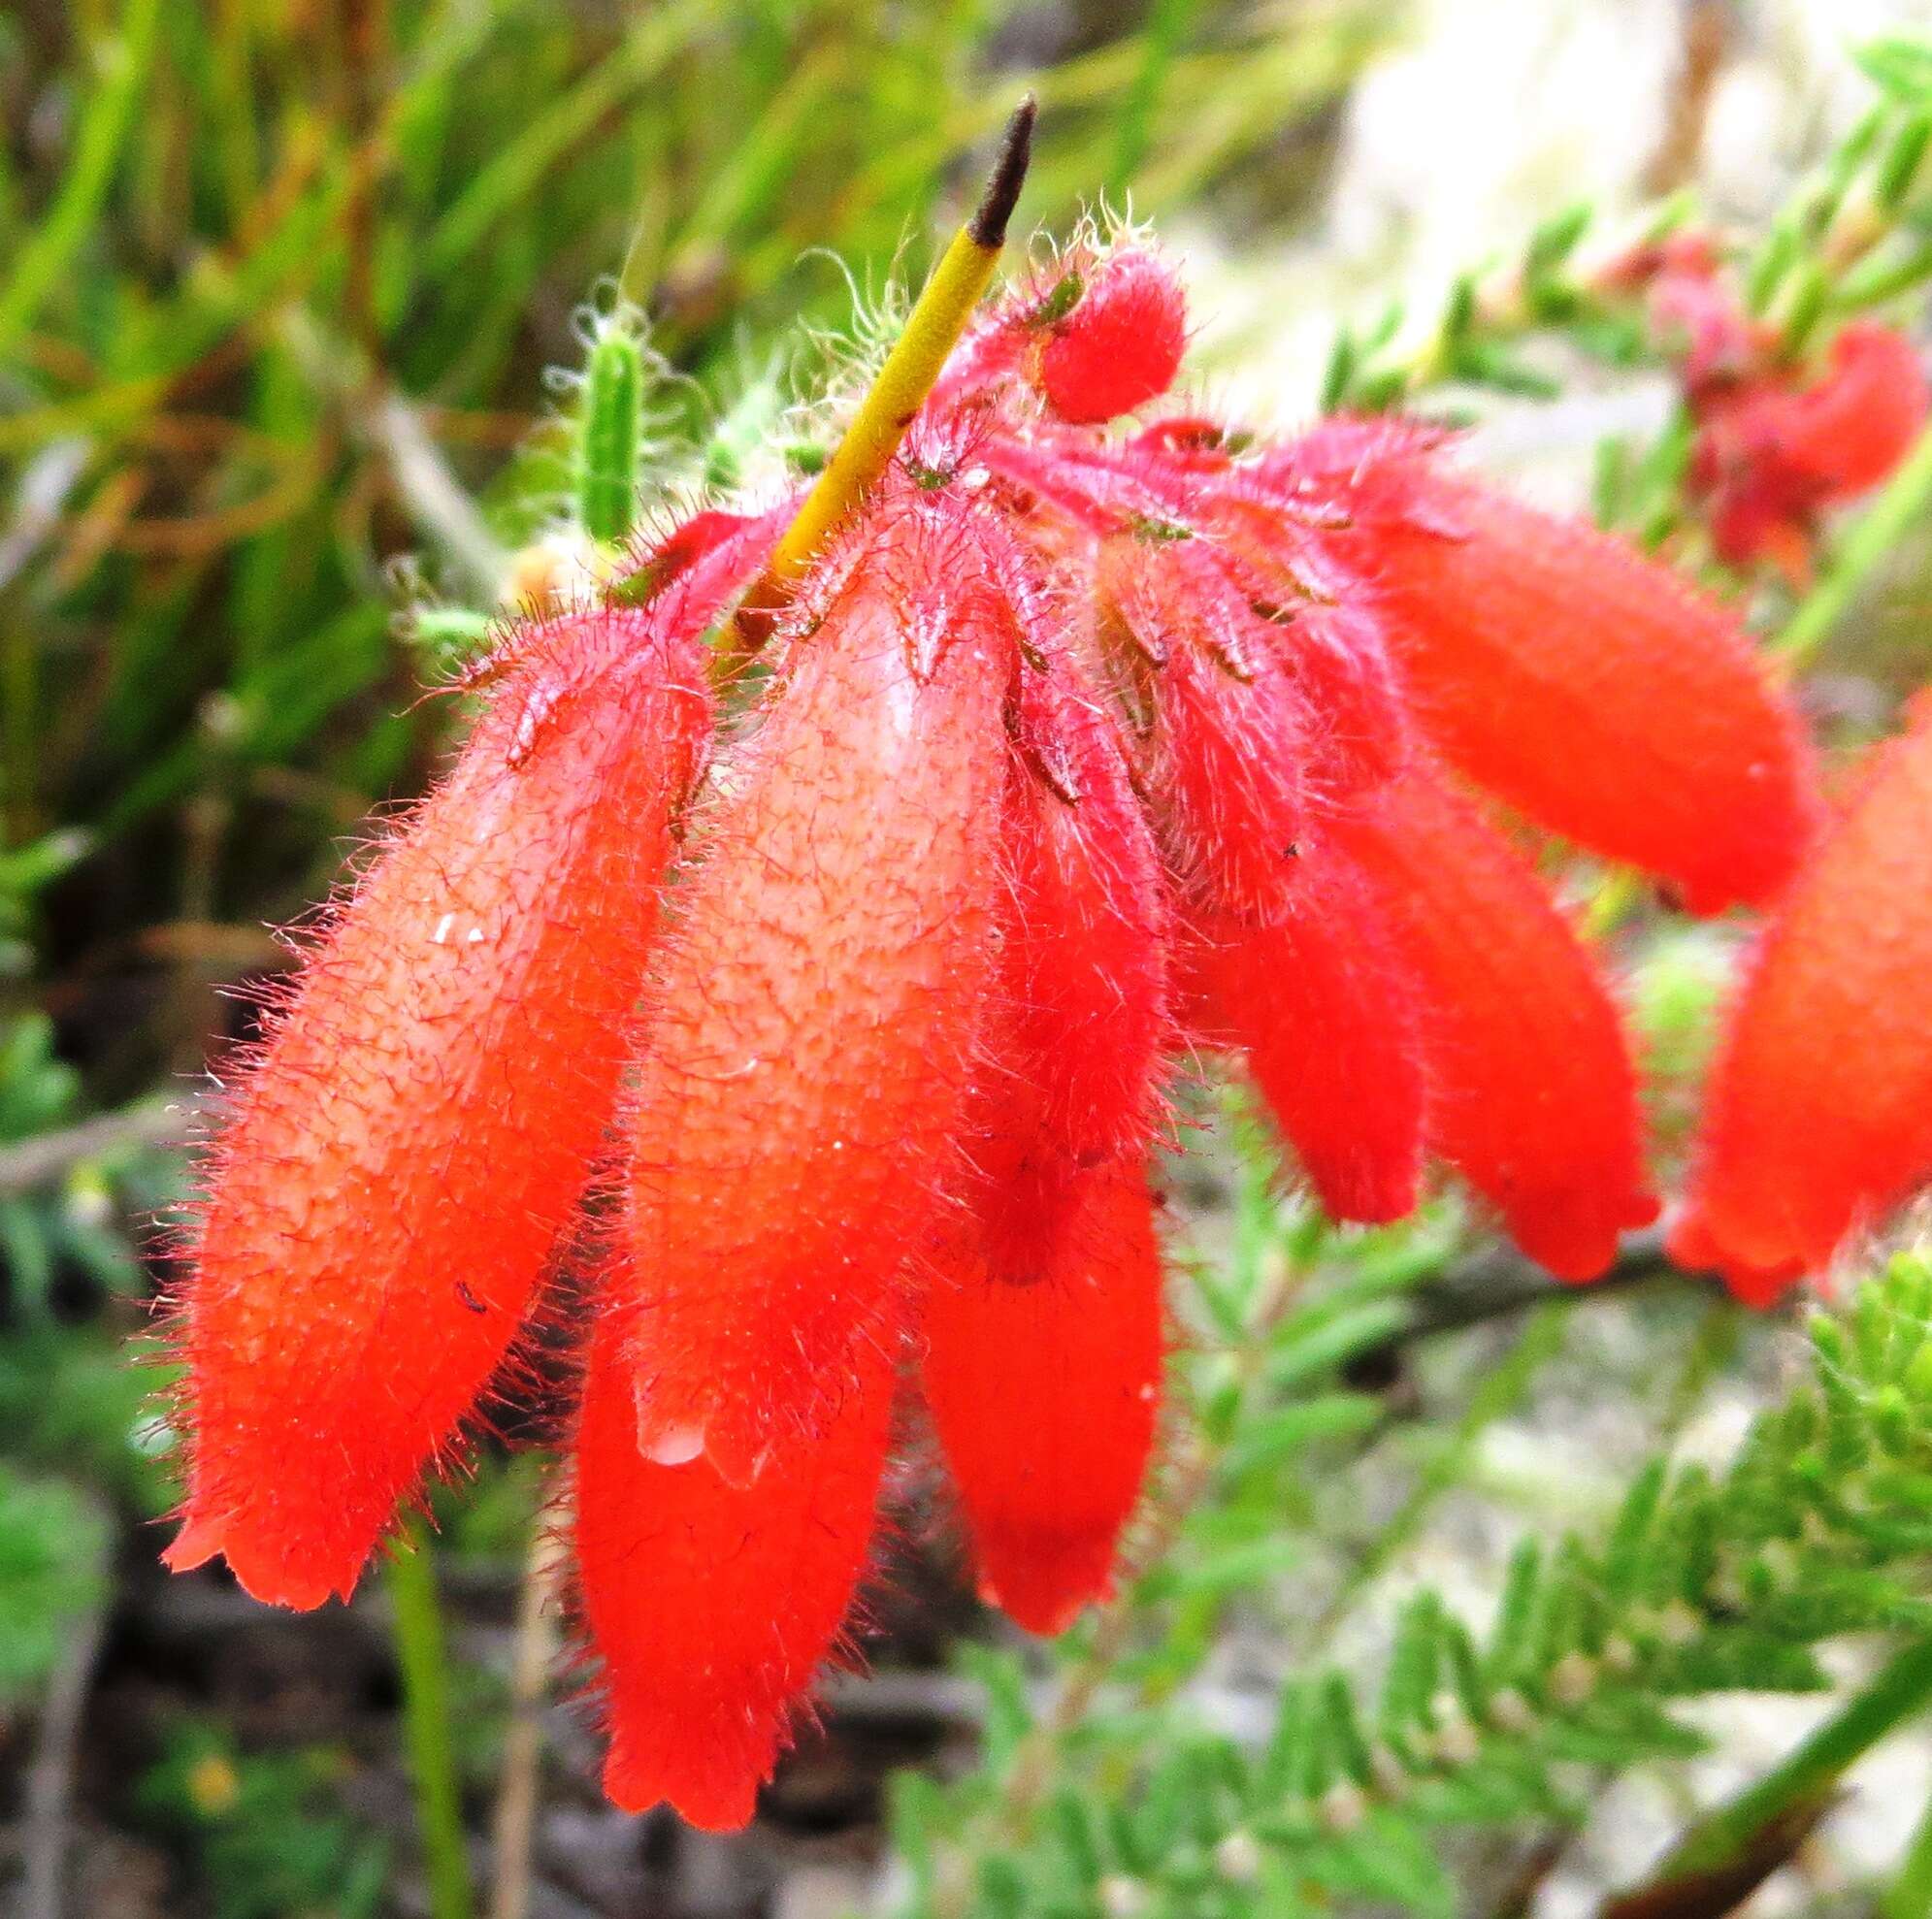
[(1818, 1117), (1079, 748), (1773, 455), (1778, 442)]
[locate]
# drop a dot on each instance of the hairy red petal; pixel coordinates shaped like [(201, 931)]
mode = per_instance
[(1120, 344), (1325, 1005), (1230, 740), (1086, 978), (1044, 1383), (802, 1072), (1533, 1095), (1849, 429), (1338, 658), (1597, 691), (711, 1605), (1820, 1109), (421, 1121)]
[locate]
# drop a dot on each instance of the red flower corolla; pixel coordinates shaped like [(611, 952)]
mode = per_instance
[(395, 1173), (1531, 1093), (1772, 455), (804, 1070), (1078, 750), (1581, 683), (1818, 1117), (1328, 1008), (712, 1604), (1044, 1383), (1780, 440)]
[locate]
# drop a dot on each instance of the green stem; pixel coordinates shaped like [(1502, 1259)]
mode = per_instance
[(1901, 1691), (421, 1654), (1910, 1895), (1908, 494)]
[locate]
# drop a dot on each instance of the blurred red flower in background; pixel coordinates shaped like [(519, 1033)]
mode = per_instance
[(1780, 440)]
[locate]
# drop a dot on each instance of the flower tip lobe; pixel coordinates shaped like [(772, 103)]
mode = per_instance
[(269, 1579)]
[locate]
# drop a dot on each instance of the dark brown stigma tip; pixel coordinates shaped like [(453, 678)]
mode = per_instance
[(987, 225)]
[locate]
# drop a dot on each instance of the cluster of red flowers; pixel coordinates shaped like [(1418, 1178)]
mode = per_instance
[(848, 1007), (1778, 441)]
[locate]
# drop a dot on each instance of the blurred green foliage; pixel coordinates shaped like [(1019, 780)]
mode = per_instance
[(263, 1829), (53, 1547)]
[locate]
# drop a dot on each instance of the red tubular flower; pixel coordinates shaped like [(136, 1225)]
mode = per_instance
[(1579, 681), (420, 1122), (1851, 427), (1085, 973), (1818, 1116), (712, 1604), (910, 1021), (1325, 1005), (803, 1066), (1773, 457), (1044, 1384), (1043, 1318), (1532, 1096)]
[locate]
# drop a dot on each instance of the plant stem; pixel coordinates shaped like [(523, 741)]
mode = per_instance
[(1910, 1895), (523, 1743), (1908, 494), (1497, 1394), (932, 331), (424, 1658), (1899, 1692)]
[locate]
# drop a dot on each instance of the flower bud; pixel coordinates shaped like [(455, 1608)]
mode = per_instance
[(1115, 337)]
